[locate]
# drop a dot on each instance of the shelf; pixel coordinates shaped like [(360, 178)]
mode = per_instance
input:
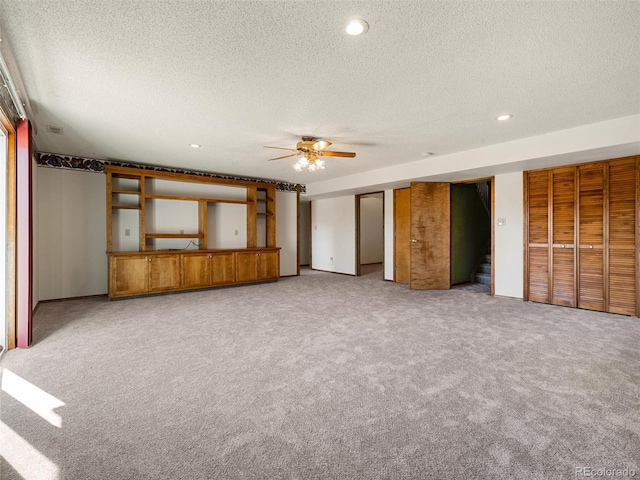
[(174, 235), (125, 175), (124, 207), (196, 199), (126, 192)]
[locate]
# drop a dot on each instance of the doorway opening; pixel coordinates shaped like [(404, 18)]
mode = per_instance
[(304, 233), (471, 233), (370, 235)]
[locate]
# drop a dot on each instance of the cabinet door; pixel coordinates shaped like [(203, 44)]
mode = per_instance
[(246, 266), (223, 268), (128, 275), (591, 237), (538, 241), (196, 271), (622, 237), (563, 245), (269, 263), (164, 272)]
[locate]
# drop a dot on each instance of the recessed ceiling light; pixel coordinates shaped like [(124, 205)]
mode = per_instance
[(357, 27), (504, 117), (194, 145)]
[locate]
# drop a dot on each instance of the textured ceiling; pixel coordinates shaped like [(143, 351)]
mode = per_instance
[(141, 80)]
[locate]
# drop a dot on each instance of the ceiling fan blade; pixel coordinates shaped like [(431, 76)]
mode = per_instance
[(324, 153), (284, 156), (283, 148), (320, 144)]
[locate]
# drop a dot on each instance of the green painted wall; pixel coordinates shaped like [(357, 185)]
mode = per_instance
[(470, 231)]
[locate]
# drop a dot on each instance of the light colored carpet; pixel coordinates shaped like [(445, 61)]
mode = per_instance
[(326, 377)]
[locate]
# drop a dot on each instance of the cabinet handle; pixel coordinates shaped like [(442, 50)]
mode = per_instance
[(562, 246), (414, 240), (148, 259), (590, 246)]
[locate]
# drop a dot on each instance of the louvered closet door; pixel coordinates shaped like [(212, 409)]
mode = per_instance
[(563, 240), (538, 221), (591, 212), (621, 250)]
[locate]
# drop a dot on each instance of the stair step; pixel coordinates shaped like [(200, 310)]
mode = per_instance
[(484, 268), (483, 278)]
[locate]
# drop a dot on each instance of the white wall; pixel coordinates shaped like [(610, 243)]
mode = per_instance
[(71, 233), (508, 238), (287, 232), (371, 229), (227, 223), (35, 293), (388, 235), (333, 234), (305, 233)]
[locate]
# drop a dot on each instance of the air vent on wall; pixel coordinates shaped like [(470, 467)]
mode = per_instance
[(54, 129)]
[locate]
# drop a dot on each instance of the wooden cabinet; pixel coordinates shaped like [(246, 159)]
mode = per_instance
[(140, 274), (581, 235), (257, 266), (158, 272), (207, 269)]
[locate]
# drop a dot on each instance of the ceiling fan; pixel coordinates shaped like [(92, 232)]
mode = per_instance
[(310, 150)]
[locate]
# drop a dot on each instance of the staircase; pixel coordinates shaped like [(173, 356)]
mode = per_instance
[(483, 273)]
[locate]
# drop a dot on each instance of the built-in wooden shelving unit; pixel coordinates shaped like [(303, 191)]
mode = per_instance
[(140, 267)]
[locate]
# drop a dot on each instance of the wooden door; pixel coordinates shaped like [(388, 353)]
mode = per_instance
[(164, 272), (402, 235), (591, 218), (430, 236), (246, 266), (622, 237), (196, 270), (223, 268), (563, 182), (268, 265), (129, 275), (537, 197)]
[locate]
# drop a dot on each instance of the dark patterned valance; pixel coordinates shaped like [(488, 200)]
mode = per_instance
[(92, 165)]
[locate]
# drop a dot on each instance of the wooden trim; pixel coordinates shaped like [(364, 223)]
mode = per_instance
[(109, 212), (175, 235), (252, 210), (11, 226), (143, 209), (525, 269), (395, 246), (194, 199), (605, 236), (637, 236), (310, 235), (358, 269), (24, 257), (185, 177), (271, 235), (203, 225), (550, 234), (493, 233), (576, 236), (298, 256)]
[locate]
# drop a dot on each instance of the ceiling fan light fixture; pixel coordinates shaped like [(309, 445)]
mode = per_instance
[(297, 167), (357, 27), (319, 163), (303, 161)]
